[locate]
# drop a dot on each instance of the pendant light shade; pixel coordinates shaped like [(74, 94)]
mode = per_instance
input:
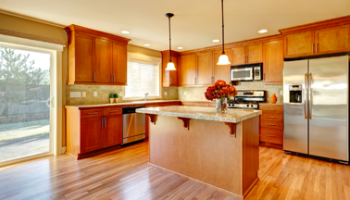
[(223, 59), (170, 66)]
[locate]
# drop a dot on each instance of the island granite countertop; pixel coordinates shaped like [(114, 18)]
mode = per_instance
[(202, 113)]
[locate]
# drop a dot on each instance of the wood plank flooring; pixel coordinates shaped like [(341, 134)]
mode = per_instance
[(125, 174)]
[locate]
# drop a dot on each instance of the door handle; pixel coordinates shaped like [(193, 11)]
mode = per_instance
[(310, 96), (270, 124), (313, 47), (305, 95), (270, 135), (92, 113), (270, 109)]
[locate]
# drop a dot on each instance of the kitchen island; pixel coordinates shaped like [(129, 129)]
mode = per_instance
[(220, 151)]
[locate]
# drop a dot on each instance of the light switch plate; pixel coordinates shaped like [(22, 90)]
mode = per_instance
[(75, 94), (84, 94), (185, 93), (95, 94), (165, 93)]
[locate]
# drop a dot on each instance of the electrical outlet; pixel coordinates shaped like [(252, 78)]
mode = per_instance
[(281, 93), (165, 93), (84, 94), (95, 94), (185, 93), (75, 94)]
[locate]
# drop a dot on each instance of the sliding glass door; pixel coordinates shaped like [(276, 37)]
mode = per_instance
[(25, 97)]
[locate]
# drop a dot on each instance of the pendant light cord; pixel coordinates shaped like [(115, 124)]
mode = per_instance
[(169, 40), (222, 16)]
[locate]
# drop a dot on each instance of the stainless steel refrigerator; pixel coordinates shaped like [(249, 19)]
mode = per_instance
[(316, 107)]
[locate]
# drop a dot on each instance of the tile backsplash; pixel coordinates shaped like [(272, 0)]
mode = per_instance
[(84, 94), (197, 93)]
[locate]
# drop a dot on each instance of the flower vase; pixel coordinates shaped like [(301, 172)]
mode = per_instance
[(221, 105), (218, 105)]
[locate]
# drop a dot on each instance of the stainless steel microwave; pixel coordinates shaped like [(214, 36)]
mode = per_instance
[(251, 72)]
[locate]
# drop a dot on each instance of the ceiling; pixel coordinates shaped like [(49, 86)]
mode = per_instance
[(195, 24)]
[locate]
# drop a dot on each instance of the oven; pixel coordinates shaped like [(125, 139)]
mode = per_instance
[(249, 72)]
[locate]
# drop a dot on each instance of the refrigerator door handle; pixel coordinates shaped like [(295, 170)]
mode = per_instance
[(310, 96), (305, 95)]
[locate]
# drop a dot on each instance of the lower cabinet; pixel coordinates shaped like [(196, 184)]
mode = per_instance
[(271, 124), (90, 131)]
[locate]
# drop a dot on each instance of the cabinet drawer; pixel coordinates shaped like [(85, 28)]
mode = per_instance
[(272, 109), (271, 135), (271, 124), (92, 113), (113, 111), (273, 117)]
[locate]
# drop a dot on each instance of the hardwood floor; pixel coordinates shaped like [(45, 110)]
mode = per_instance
[(125, 174)]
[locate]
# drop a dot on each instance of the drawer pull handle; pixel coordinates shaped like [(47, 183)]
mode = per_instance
[(112, 111), (270, 135), (92, 113), (270, 109), (270, 124), (271, 117)]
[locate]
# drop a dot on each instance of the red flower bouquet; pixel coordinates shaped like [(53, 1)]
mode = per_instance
[(219, 90)]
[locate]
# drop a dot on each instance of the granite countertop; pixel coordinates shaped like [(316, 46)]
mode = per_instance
[(134, 103), (202, 113)]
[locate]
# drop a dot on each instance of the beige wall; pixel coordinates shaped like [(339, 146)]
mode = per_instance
[(197, 93)]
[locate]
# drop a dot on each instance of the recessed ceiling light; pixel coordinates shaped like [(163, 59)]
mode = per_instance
[(216, 40), (179, 47), (147, 45), (263, 31), (125, 32)]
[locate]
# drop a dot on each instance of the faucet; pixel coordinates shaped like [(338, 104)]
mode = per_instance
[(146, 94)]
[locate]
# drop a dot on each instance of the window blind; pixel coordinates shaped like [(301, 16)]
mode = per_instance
[(143, 77)]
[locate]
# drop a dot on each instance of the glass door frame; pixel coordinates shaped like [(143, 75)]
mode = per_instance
[(56, 83)]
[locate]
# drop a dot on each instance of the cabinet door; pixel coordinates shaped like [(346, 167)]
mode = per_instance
[(299, 44), (170, 77), (254, 53), (103, 60), (204, 68), (238, 56), (84, 68), (91, 134), (120, 63), (332, 40), (221, 72), (113, 131), (273, 62), (187, 69)]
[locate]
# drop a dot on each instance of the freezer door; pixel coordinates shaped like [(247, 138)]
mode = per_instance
[(295, 136), (328, 123)]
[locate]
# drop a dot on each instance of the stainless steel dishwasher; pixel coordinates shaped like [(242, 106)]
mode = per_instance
[(133, 125)]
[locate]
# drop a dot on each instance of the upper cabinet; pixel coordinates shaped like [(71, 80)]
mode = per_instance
[(96, 57), (247, 54), (221, 72), (170, 77), (204, 75), (273, 62), (316, 39), (187, 70)]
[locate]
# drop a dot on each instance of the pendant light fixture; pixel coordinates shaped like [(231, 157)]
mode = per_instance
[(170, 66), (223, 59)]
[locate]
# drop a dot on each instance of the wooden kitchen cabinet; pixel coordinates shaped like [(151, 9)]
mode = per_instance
[(103, 60), (83, 53), (170, 77), (271, 124), (96, 58), (187, 70), (247, 54), (204, 71), (299, 44), (120, 60), (112, 131), (332, 40), (273, 62), (221, 72), (91, 134)]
